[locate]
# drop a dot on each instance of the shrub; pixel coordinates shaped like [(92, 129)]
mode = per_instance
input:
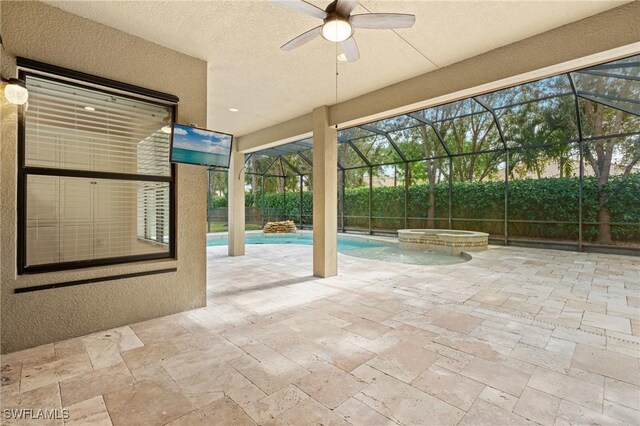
[(530, 201)]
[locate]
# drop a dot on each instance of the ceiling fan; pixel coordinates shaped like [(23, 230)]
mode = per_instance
[(339, 24)]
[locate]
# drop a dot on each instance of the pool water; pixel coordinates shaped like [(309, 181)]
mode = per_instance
[(353, 246)]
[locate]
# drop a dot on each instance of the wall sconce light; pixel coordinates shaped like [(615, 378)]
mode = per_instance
[(15, 91)]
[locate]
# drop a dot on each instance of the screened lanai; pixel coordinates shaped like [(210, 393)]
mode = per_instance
[(553, 162)]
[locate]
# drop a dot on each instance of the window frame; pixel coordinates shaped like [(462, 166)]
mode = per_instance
[(61, 75)]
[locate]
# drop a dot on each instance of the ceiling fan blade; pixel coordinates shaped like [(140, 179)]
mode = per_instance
[(383, 20), (301, 6), (350, 49), (302, 39), (345, 7)]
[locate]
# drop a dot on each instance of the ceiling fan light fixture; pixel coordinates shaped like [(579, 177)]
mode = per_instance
[(336, 29)]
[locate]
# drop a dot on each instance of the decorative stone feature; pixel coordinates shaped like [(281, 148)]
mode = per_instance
[(287, 226), (447, 241)]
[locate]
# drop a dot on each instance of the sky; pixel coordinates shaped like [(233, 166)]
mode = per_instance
[(201, 140)]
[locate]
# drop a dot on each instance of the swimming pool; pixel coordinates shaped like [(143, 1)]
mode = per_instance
[(365, 248)]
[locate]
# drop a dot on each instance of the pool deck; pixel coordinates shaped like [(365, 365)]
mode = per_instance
[(514, 336)]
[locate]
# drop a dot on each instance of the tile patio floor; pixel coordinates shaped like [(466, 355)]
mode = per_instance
[(515, 336)]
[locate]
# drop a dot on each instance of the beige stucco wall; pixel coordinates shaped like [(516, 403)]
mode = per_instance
[(40, 32)]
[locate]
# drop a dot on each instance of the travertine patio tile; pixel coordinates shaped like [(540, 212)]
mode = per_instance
[(294, 347), (104, 348), (498, 398), (405, 404), (155, 402), (404, 361), (578, 336), (543, 358), (266, 368), (600, 308), (607, 363), (217, 381), (410, 334), (95, 383), (68, 348), (587, 376), (205, 321), (288, 324), (45, 397), (458, 322), (88, 412), (501, 337), (561, 346), (151, 372), (574, 390), (573, 414), (376, 345), (271, 406), (190, 363), (330, 385), (244, 334), (366, 373), (451, 364), (359, 414), (150, 353), (622, 413), (448, 386), (223, 411), (343, 354), (367, 328), (419, 320), (308, 412), (484, 414), (10, 374), (529, 334), (33, 356), (602, 297), (476, 347), (376, 312), (490, 298), (622, 393), (54, 371), (607, 322), (496, 375), (537, 406), (615, 339)]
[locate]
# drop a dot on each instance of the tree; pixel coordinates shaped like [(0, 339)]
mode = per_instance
[(607, 124)]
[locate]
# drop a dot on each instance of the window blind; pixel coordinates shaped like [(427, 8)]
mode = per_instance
[(69, 127), (97, 178)]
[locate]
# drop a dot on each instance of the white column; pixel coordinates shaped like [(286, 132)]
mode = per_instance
[(236, 204), (325, 195)]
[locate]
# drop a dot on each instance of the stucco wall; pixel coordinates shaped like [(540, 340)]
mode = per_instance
[(43, 33)]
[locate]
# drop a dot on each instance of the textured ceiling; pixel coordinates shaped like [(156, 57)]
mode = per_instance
[(247, 70)]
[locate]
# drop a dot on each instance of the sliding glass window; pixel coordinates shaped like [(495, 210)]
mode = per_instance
[(96, 185)]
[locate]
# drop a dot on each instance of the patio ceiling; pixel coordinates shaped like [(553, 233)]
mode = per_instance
[(248, 71)]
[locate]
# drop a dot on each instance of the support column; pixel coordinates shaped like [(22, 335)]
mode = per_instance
[(325, 198), (236, 204)]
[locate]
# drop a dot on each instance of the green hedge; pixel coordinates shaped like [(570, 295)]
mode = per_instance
[(551, 199)]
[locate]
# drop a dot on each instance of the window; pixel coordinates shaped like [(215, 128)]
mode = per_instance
[(96, 185)]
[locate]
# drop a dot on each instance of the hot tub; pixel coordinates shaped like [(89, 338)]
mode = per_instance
[(447, 241)]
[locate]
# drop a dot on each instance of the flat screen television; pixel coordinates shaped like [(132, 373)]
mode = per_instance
[(192, 145)]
